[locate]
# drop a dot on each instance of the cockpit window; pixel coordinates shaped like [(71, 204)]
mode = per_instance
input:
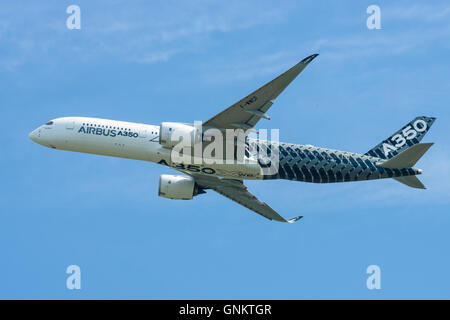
[(49, 123)]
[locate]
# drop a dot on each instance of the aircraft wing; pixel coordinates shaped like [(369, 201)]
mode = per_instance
[(237, 191), (245, 113)]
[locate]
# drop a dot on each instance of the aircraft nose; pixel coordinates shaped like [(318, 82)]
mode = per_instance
[(34, 135)]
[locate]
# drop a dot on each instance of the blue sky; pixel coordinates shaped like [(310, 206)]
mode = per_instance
[(183, 61)]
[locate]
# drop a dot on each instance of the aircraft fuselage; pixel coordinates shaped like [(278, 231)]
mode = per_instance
[(141, 142)]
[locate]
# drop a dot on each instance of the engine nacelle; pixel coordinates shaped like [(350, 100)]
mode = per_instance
[(178, 187), (171, 133)]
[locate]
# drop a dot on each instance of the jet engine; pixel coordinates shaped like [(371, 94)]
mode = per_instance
[(171, 133), (178, 187)]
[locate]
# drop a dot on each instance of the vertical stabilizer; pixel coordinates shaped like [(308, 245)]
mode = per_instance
[(411, 134)]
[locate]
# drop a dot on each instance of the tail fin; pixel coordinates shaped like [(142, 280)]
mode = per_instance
[(411, 134), (411, 181), (408, 158)]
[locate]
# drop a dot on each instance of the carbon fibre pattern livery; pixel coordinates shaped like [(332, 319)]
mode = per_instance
[(320, 165)]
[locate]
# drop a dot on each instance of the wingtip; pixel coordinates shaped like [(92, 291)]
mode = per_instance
[(294, 219), (309, 58)]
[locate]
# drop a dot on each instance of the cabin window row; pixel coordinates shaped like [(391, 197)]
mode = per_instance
[(103, 126), (110, 127)]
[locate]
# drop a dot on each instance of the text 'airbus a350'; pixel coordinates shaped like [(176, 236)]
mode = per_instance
[(219, 154)]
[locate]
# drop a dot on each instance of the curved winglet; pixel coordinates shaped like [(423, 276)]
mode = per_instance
[(294, 219), (309, 59)]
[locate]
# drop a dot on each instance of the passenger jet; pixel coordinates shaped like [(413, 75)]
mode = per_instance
[(394, 157)]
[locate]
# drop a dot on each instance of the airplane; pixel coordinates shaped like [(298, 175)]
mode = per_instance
[(394, 157)]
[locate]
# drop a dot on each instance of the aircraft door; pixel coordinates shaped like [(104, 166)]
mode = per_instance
[(69, 142), (143, 133), (70, 125)]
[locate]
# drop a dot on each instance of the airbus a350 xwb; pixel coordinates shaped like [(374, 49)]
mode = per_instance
[(394, 157)]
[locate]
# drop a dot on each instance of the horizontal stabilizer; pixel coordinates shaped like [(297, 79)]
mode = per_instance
[(411, 181), (408, 158)]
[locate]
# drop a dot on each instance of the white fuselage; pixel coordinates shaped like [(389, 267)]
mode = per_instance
[(127, 140)]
